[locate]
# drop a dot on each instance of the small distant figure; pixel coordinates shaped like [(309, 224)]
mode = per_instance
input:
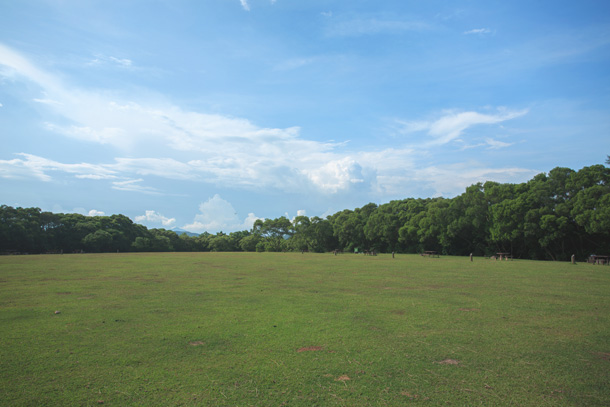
[(392, 254), (573, 259), (470, 256)]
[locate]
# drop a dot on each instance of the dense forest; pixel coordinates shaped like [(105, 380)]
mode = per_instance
[(550, 217)]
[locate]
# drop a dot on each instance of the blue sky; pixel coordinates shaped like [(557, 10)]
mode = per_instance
[(206, 115)]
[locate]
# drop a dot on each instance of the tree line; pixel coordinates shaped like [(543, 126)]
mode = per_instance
[(552, 216)]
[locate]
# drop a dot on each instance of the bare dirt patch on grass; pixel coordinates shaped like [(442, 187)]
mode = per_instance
[(448, 362), (468, 309), (342, 378), (196, 343)]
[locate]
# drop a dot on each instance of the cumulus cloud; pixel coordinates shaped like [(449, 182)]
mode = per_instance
[(217, 214), (155, 218), (95, 212), (336, 175)]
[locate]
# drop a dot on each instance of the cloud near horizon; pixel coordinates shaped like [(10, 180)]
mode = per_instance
[(216, 215), (153, 217)]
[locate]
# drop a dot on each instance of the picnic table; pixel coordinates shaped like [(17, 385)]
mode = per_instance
[(597, 259), (430, 253), (505, 255)]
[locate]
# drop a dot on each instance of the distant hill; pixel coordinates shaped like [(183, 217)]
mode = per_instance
[(181, 232)]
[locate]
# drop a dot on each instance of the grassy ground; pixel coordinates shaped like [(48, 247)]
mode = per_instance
[(266, 329)]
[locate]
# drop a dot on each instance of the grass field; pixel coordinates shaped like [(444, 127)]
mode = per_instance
[(272, 329)]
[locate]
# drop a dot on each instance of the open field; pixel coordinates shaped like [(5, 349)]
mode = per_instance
[(270, 329)]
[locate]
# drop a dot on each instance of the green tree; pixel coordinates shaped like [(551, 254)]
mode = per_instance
[(98, 241)]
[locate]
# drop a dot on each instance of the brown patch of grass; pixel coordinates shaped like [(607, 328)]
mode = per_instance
[(449, 362), (468, 309), (409, 395), (603, 355), (196, 343), (342, 378)]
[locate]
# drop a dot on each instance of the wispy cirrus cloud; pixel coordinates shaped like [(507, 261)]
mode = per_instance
[(133, 185), (445, 180), (245, 5), (110, 61), (452, 125), (496, 144), (478, 31), (371, 25), (32, 166)]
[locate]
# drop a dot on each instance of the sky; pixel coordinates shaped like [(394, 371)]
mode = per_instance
[(207, 115)]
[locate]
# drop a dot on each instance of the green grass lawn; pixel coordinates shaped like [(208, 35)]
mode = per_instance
[(271, 329)]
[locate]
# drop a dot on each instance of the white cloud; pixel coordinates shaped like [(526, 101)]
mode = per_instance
[(32, 166), (160, 167), (336, 175), (478, 31), (245, 5), (451, 126), (104, 135), (95, 212), (217, 214), (370, 26), (153, 217), (159, 139), (451, 180), (101, 60), (133, 186), (19, 66), (249, 221), (47, 101), (496, 144)]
